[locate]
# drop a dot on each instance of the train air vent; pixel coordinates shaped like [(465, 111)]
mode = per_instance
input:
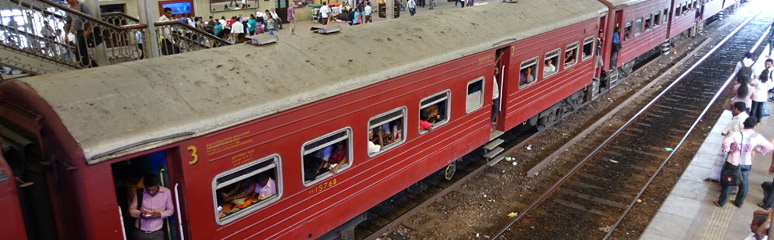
[(326, 29), (263, 39)]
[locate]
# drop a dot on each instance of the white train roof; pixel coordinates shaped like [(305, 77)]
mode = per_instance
[(121, 109), (624, 3)]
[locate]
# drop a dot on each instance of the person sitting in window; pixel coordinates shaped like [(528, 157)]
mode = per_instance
[(425, 121), (549, 67), (397, 130), (338, 158), (265, 187), (241, 189), (324, 155), (626, 34), (647, 26), (526, 76), (569, 58), (373, 147)]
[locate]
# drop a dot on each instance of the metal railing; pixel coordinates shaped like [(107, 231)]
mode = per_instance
[(177, 37), (119, 18), (38, 27)]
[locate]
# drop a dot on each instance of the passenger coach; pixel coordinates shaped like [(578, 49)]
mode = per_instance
[(337, 122)]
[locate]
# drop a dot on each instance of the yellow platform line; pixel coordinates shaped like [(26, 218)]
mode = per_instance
[(718, 223)]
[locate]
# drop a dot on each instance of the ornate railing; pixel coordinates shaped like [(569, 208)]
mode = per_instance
[(177, 37), (119, 18)]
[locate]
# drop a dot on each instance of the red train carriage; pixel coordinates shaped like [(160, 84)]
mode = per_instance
[(712, 7), (289, 115), (643, 25), (683, 16)]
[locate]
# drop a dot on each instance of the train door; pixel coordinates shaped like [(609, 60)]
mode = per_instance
[(502, 57), (130, 177)]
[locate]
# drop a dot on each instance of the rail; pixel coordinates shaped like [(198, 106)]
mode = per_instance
[(588, 157), (177, 37), (119, 18)]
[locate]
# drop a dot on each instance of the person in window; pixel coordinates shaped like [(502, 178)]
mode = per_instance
[(324, 155), (647, 25), (549, 67), (240, 190), (526, 76), (265, 187), (425, 123), (338, 158), (373, 147), (569, 58)]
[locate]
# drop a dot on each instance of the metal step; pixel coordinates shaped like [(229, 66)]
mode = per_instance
[(496, 159), (494, 152), (493, 144)]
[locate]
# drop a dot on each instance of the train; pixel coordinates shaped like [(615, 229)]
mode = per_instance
[(392, 102)]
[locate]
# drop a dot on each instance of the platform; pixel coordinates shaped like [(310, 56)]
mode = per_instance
[(688, 211)]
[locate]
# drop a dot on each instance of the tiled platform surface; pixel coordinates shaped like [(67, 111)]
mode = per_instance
[(688, 212)]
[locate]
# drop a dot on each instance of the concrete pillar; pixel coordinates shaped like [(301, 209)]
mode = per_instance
[(149, 42), (100, 52), (390, 9)]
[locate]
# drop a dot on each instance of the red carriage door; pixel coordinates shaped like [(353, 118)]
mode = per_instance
[(502, 57)]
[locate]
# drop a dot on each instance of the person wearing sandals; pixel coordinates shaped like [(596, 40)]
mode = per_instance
[(740, 147)]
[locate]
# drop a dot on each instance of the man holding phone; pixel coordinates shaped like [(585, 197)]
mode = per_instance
[(155, 204)]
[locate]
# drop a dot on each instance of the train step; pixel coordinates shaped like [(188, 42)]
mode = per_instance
[(496, 159), (494, 152), (493, 144)]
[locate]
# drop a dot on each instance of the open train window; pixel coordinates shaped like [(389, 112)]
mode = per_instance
[(386, 131), (695, 4), (627, 30), (550, 63), (637, 27), (685, 8), (326, 155), (570, 55), (656, 19), (588, 47), (244, 189), (474, 98), (677, 10), (434, 111), (665, 20), (647, 23), (527, 70)]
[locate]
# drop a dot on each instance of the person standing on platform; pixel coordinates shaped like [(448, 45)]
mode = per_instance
[(761, 86), (740, 146), (292, 18), (744, 68), (150, 207), (367, 13), (736, 124), (412, 7), (324, 11), (771, 39)]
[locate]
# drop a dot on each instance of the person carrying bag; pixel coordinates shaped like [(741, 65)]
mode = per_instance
[(740, 147)]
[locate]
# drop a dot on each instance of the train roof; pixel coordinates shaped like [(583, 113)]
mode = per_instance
[(624, 3), (126, 108)]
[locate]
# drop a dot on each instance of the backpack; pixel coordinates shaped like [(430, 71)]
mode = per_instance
[(744, 73)]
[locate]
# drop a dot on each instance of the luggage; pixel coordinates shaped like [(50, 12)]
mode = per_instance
[(768, 194)]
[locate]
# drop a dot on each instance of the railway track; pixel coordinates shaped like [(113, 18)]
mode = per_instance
[(591, 200)]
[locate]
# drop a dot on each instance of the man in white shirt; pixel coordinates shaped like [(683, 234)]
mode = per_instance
[(740, 147), (746, 62), (372, 147), (736, 124), (276, 18), (412, 7), (168, 43), (549, 68), (223, 22), (324, 12), (367, 13), (238, 31)]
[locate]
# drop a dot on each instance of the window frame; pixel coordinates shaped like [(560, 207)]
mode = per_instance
[(665, 16), (629, 25), (448, 109), (571, 46), (647, 21), (481, 97), (394, 144), (588, 40), (326, 175), (534, 61), (549, 55), (656, 16), (678, 8), (638, 26), (278, 183)]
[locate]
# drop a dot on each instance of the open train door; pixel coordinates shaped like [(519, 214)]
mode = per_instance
[(502, 57), (12, 222)]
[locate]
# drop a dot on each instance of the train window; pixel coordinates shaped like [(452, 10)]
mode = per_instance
[(677, 10), (386, 131), (244, 189), (627, 30), (474, 98), (685, 8), (550, 63), (665, 20), (434, 111), (527, 72), (637, 27), (588, 47), (647, 22), (656, 19), (570, 55), (326, 155), (695, 4)]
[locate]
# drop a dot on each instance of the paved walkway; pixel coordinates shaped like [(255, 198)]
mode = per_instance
[(688, 212)]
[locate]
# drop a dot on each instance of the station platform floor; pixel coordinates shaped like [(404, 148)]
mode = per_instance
[(689, 213)]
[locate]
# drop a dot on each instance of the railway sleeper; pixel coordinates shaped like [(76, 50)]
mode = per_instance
[(607, 182), (585, 186), (600, 200), (576, 206)]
